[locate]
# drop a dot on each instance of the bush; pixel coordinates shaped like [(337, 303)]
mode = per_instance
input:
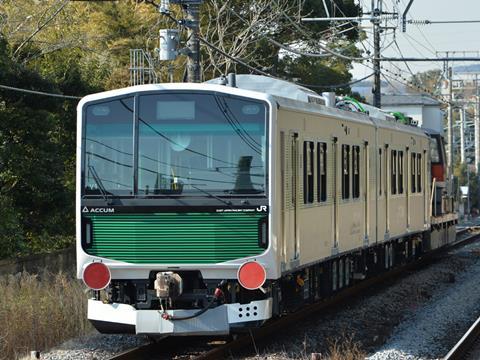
[(12, 238)]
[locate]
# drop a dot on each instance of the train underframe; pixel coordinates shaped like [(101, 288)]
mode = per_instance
[(216, 306), (319, 281)]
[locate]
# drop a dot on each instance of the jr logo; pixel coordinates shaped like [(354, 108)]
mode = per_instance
[(262, 208)]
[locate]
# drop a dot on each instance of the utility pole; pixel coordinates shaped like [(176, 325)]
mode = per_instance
[(462, 135), (192, 22), (476, 123), (377, 82), (169, 38), (375, 16), (449, 124)]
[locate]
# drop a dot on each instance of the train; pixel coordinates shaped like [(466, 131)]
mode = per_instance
[(211, 208)]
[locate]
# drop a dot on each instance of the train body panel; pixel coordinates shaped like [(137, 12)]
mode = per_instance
[(214, 180), (354, 215)]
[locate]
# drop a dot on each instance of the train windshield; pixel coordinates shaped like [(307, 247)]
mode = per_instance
[(187, 144)]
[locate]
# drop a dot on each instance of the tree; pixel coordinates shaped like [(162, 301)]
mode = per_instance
[(77, 48), (429, 80)]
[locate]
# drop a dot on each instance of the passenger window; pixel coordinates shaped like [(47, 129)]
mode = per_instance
[(308, 155), (400, 172), (419, 172), (356, 171), (322, 172), (393, 165), (434, 154), (413, 166), (345, 171)]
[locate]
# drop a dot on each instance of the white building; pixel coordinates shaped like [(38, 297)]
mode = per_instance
[(422, 108)]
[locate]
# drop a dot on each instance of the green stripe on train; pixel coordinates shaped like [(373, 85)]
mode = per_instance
[(175, 238)]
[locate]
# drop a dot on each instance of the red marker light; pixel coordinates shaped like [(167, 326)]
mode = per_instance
[(96, 276), (251, 275)]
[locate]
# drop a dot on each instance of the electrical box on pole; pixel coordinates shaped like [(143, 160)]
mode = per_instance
[(169, 39), (168, 44)]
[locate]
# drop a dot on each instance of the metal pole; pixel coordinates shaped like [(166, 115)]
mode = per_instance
[(193, 44), (476, 122), (462, 135), (468, 193), (449, 124), (377, 101), (404, 16)]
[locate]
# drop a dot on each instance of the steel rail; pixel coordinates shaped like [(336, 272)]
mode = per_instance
[(466, 343), (248, 342), (268, 329)]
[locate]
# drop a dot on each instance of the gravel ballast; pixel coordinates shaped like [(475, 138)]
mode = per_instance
[(435, 327), (94, 347), (420, 316)]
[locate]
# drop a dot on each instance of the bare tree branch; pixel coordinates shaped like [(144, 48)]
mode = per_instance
[(40, 27)]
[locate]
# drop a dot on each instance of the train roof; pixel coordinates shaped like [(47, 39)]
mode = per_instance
[(284, 93), (272, 86)]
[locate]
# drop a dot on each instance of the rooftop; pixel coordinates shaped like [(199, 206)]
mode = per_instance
[(409, 99)]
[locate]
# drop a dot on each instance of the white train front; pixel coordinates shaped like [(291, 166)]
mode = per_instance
[(208, 209)]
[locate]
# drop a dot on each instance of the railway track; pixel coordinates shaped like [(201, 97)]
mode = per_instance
[(220, 348), (463, 347)]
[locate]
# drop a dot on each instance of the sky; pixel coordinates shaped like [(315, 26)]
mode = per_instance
[(425, 40)]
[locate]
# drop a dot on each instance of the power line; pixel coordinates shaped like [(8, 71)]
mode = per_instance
[(429, 22), (238, 61), (241, 62), (39, 92), (337, 85), (325, 48), (427, 59)]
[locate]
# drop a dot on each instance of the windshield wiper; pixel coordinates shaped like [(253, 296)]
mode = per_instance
[(100, 185)]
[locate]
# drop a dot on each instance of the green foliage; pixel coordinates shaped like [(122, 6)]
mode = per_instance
[(466, 177), (84, 48), (36, 157), (12, 239), (426, 81)]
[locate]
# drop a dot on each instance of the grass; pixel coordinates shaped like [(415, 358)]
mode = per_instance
[(37, 313), (345, 349), (342, 348)]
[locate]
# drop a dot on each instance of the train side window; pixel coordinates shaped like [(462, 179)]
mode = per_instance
[(434, 154), (345, 171), (355, 171), (413, 166), (322, 171), (393, 165), (308, 156), (400, 172), (419, 172), (380, 172)]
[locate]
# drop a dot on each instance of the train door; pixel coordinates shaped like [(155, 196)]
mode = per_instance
[(335, 195), (293, 183), (407, 184), (387, 191), (285, 198), (366, 162)]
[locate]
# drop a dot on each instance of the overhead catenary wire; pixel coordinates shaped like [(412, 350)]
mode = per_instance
[(326, 48), (35, 92), (336, 86), (238, 61), (261, 72), (328, 52)]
